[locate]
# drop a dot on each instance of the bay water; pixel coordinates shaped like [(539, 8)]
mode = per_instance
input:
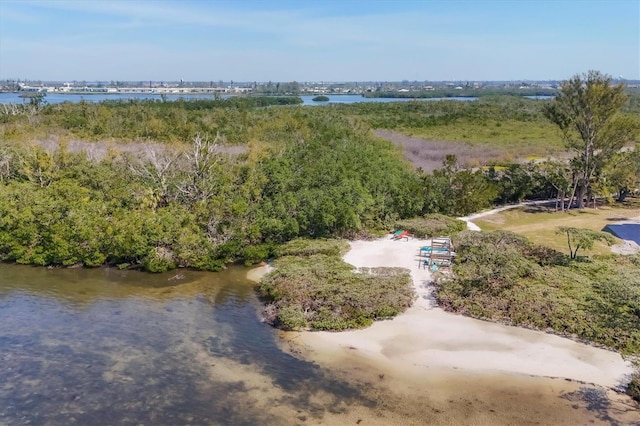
[(105, 346)]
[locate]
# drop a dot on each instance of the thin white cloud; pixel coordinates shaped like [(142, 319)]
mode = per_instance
[(130, 40), (180, 13), (304, 28), (10, 14)]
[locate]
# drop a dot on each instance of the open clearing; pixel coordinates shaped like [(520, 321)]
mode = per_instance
[(429, 153), (539, 223)]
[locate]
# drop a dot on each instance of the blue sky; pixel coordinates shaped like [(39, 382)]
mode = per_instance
[(326, 40)]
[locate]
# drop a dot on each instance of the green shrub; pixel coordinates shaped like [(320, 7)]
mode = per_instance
[(291, 317), (432, 225), (633, 389), (503, 277), (313, 173), (159, 259), (306, 247), (324, 293), (256, 254)]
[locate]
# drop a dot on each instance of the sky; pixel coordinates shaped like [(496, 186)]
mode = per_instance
[(329, 40)]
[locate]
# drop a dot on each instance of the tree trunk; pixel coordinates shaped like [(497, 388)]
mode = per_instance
[(569, 243), (573, 193), (622, 194), (580, 193), (591, 197)]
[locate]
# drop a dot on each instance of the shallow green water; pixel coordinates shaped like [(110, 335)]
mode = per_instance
[(119, 347), (109, 347)]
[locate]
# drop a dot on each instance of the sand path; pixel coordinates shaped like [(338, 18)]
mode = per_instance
[(627, 230), (426, 336), (473, 227)]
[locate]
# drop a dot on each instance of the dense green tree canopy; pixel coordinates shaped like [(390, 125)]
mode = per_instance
[(303, 172), (587, 110), (197, 183)]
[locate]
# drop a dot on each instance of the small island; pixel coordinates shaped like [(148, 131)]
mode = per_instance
[(321, 98)]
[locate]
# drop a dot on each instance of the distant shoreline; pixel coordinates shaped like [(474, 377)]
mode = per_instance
[(141, 91)]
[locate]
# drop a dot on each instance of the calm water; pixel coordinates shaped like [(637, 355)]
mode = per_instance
[(101, 346), (110, 347), (54, 98)]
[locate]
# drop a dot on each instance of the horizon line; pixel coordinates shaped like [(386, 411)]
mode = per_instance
[(231, 81)]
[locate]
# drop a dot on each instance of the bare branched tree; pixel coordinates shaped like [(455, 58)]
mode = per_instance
[(11, 109), (6, 159), (157, 167), (199, 183)]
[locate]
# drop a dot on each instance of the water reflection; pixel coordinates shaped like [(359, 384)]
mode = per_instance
[(80, 286), (55, 98)]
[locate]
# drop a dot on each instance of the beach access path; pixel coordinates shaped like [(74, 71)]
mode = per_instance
[(426, 336)]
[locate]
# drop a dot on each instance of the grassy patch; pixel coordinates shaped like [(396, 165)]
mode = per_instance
[(539, 224), (322, 292), (520, 138)]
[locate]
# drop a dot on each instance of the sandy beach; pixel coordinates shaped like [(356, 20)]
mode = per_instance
[(440, 368), (426, 336)]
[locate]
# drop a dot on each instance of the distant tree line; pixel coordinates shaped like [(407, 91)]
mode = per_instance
[(279, 89), (462, 92)]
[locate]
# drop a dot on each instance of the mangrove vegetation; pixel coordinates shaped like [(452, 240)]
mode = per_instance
[(199, 183), (158, 185), (311, 287)]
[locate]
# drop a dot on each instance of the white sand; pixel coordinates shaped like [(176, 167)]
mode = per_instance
[(257, 273), (426, 336), (473, 227)]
